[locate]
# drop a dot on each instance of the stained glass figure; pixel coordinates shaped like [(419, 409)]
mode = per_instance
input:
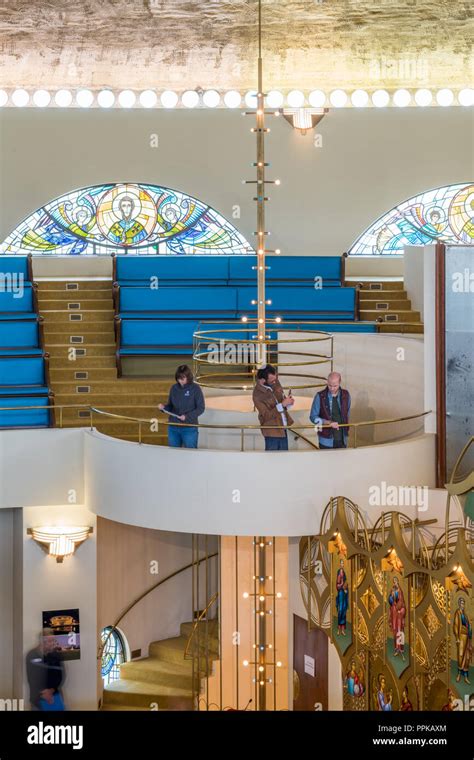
[(125, 218), (445, 214)]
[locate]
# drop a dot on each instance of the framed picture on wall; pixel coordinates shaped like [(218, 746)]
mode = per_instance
[(64, 626)]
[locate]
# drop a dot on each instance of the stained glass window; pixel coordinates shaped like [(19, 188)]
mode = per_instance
[(445, 214), (125, 218), (113, 654)]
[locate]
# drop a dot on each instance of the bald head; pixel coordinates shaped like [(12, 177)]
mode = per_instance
[(334, 383)]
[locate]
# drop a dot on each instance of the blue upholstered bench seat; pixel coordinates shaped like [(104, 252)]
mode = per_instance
[(23, 390), (17, 265), (199, 302), (156, 337), (18, 333), (172, 269), (287, 270), (299, 303), (21, 301), (24, 418), (23, 370), (21, 351), (225, 270), (27, 316)]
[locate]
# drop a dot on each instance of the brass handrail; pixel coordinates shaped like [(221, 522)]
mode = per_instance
[(145, 593), (206, 425), (198, 620)]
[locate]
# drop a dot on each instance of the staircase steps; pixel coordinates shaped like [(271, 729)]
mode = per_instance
[(386, 302), (164, 679)]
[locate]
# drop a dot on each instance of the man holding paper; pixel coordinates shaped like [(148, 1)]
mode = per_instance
[(185, 404)]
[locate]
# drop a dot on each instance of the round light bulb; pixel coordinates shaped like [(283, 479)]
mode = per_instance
[(127, 98), (466, 96), (380, 98), (274, 99), (169, 99), (106, 98), (423, 97), (63, 98), (232, 99), (295, 99), (245, 594), (3, 98), (338, 98), (279, 595), (211, 98), (445, 97), (278, 319), (278, 664), (251, 99), (317, 98), (20, 98), (359, 98), (84, 98), (41, 98), (261, 669), (262, 598), (148, 99), (244, 319), (245, 663), (401, 98)]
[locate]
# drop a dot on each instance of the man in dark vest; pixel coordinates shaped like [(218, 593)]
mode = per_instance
[(331, 407)]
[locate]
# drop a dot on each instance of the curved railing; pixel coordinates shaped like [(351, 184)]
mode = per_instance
[(154, 425), (141, 596), (227, 357)]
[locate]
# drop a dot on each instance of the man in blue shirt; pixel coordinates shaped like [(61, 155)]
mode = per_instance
[(331, 408)]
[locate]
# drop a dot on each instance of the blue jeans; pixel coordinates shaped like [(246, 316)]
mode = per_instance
[(186, 437), (272, 443)]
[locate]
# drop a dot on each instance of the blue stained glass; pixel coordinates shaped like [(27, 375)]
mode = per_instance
[(125, 218), (445, 214)]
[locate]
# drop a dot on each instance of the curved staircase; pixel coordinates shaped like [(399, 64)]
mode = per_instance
[(164, 679)]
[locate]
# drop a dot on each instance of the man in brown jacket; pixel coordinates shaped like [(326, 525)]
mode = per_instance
[(272, 405)]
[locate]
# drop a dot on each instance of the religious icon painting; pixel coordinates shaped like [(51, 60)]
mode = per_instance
[(342, 602), (397, 645), (462, 617), (383, 696), (355, 683)]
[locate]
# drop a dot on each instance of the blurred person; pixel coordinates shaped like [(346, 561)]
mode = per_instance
[(45, 673)]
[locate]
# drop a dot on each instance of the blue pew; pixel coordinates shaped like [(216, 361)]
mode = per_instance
[(171, 271), (21, 303), (288, 271), (137, 302), (20, 337), (19, 417), (299, 303), (18, 373)]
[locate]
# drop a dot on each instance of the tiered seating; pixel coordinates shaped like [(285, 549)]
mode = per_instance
[(160, 300), (23, 364)]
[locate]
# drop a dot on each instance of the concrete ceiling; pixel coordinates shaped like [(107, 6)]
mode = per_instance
[(184, 44)]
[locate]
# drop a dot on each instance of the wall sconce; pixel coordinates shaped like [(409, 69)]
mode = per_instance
[(60, 542), (303, 119)]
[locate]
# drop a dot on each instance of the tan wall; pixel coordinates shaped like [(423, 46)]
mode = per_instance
[(370, 160), (124, 561)]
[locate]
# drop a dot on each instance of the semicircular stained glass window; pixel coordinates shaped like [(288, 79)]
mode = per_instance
[(125, 218), (445, 214)]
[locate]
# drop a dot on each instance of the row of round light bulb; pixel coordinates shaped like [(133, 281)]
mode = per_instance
[(233, 99)]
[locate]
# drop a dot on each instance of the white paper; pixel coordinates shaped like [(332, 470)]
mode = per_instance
[(309, 665)]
